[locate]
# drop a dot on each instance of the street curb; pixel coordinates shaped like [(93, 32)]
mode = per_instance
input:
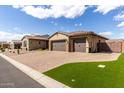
[(37, 76)]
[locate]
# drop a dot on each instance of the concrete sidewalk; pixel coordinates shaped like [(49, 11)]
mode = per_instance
[(37, 76)]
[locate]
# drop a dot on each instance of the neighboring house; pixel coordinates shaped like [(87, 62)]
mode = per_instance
[(15, 44), (35, 42), (79, 41), (0, 44), (4, 45)]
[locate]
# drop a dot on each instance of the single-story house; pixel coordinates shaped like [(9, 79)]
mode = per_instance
[(15, 44), (78, 41), (32, 42)]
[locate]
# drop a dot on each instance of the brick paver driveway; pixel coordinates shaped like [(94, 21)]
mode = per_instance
[(46, 60)]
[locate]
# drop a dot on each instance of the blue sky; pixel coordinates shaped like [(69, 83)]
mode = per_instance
[(17, 21)]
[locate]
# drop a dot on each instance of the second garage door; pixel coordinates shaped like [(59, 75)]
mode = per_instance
[(59, 45), (80, 45)]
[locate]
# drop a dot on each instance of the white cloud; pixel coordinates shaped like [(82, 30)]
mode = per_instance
[(104, 9), (107, 33), (18, 6), (54, 23), (119, 17), (121, 24), (53, 11), (78, 24), (16, 28), (7, 36)]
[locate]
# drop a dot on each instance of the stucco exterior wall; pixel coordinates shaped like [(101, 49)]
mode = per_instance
[(35, 44), (12, 45), (59, 37), (32, 44), (92, 42), (71, 45), (26, 42)]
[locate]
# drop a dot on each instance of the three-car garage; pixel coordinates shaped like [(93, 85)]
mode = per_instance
[(75, 41)]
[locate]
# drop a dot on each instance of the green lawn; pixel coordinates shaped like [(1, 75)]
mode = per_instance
[(88, 75)]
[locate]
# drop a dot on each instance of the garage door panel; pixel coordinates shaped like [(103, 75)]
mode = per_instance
[(80, 45), (59, 45)]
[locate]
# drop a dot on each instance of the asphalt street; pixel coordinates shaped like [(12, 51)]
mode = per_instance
[(11, 77)]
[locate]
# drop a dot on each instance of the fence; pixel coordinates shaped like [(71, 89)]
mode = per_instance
[(116, 47)]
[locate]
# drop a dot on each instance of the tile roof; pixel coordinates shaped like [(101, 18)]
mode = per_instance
[(76, 33), (79, 33), (37, 37)]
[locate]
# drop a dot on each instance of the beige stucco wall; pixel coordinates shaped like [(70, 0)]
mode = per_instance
[(92, 42), (87, 45), (71, 45), (27, 43), (12, 45), (35, 44), (59, 37)]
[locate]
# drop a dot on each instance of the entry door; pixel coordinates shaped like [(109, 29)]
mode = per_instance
[(80, 45)]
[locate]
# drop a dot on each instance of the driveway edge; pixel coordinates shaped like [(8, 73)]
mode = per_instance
[(37, 76)]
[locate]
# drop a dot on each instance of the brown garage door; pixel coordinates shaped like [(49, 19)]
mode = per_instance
[(59, 45), (80, 45)]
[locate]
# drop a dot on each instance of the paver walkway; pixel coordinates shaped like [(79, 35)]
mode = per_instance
[(11, 77), (46, 60)]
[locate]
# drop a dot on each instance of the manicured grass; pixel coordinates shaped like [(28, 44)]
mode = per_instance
[(89, 75)]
